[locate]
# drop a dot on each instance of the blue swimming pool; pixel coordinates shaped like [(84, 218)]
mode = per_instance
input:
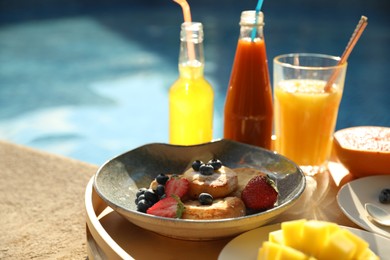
[(89, 80)]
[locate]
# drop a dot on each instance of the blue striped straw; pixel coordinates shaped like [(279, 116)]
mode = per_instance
[(254, 30)]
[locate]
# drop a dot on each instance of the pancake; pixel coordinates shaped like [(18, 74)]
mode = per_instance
[(220, 184)]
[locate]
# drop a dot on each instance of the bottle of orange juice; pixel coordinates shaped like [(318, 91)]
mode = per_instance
[(191, 97), (248, 110)]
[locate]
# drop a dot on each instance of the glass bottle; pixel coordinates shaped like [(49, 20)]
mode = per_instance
[(191, 97), (248, 112)]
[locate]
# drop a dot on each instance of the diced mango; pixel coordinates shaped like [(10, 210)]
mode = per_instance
[(287, 252), (274, 251), (261, 253), (314, 240), (339, 246), (270, 251), (315, 235), (333, 227), (361, 244), (293, 232), (276, 237)]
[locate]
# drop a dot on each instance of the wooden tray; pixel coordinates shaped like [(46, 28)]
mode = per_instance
[(110, 236)]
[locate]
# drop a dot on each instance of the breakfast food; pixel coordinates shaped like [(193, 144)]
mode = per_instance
[(208, 191), (364, 150), (384, 196), (314, 240), (229, 207), (219, 183), (170, 207), (177, 186), (260, 193)]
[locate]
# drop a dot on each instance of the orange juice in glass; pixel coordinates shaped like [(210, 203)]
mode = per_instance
[(306, 113)]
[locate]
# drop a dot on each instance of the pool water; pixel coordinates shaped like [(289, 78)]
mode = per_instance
[(90, 80)]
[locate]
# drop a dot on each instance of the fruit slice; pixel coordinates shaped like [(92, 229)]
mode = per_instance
[(176, 186), (170, 207), (364, 150)]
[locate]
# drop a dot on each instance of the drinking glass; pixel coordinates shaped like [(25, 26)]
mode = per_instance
[(307, 94)]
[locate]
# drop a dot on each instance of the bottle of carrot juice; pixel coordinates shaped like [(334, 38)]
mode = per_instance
[(248, 112)]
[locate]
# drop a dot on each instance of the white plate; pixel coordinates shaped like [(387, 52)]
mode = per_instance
[(246, 245), (353, 195)]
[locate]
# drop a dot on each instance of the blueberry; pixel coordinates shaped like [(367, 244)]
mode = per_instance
[(160, 190), (206, 169), (140, 197), (143, 205), (196, 165), (140, 192), (384, 196), (151, 196), (205, 199), (217, 164), (162, 178)]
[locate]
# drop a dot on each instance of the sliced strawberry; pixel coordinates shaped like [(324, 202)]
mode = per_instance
[(260, 193), (177, 186), (170, 207)]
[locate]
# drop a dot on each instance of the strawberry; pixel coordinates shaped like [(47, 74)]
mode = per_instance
[(177, 186), (260, 193), (169, 207)]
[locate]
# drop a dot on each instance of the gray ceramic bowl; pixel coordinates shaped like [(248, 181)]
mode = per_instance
[(118, 180)]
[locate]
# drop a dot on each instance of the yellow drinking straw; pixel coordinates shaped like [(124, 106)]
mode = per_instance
[(187, 18)]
